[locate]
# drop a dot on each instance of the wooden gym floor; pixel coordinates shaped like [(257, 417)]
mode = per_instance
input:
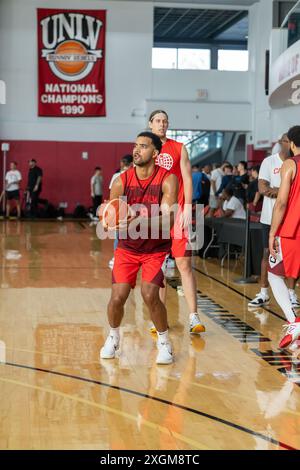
[(231, 388)]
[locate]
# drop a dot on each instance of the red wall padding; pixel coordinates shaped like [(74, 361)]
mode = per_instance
[(66, 174), (255, 157)]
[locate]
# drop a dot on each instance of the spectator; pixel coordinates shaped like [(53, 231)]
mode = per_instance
[(269, 180), (196, 179), (240, 182), (232, 206), (207, 169), (13, 178), (97, 189), (34, 185), (253, 195), (201, 186), (227, 178), (125, 164), (215, 183)]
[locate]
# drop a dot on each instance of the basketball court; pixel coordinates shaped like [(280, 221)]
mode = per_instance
[(82, 84), (230, 388)]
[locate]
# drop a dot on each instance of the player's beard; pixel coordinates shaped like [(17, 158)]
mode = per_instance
[(142, 163)]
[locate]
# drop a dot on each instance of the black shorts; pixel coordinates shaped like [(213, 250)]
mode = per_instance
[(13, 195), (265, 235)]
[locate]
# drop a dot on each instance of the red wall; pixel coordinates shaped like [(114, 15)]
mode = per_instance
[(66, 175), (255, 157)]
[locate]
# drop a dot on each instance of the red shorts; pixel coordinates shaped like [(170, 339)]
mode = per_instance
[(287, 263), (127, 265), (180, 243), (180, 248)]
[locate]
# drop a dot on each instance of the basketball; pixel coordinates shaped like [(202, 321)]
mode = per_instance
[(114, 212), (149, 229), (71, 50)]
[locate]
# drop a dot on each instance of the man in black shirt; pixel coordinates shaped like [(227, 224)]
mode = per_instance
[(226, 179), (252, 189), (34, 185), (240, 182)]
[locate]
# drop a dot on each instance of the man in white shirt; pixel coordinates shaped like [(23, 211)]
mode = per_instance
[(207, 170), (215, 183), (125, 164), (232, 206), (13, 179), (268, 185), (96, 189)]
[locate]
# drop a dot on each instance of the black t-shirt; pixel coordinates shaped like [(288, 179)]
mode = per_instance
[(252, 190), (33, 175), (237, 186)]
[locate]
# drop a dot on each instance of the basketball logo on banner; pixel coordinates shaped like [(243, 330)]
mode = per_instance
[(71, 62)]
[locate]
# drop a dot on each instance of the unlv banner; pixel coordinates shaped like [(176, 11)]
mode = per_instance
[(71, 62)]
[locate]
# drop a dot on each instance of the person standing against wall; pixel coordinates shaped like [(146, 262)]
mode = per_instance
[(97, 189), (13, 178), (34, 185)]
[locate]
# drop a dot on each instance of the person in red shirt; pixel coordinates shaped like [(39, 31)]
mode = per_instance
[(151, 192), (284, 239), (174, 158)]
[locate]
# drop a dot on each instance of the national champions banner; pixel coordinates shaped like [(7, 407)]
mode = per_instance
[(71, 62)]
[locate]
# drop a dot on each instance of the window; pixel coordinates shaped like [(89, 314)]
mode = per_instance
[(164, 58), (194, 59), (198, 59), (188, 59), (232, 60)]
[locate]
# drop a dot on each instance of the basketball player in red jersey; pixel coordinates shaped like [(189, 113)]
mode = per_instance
[(152, 187), (174, 158), (284, 239)]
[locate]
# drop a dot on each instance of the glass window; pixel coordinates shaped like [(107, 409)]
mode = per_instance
[(294, 27), (232, 60), (194, 59), (164, 58)]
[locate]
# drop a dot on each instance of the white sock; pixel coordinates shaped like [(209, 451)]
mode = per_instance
[(115, 333), (163, 336), (192, 316), (264, 291), (292, 292), (282, 296)]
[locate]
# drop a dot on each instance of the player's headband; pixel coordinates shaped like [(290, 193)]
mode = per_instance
[(157, 111)]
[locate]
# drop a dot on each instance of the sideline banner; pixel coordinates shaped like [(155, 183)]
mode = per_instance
[(71, 62)]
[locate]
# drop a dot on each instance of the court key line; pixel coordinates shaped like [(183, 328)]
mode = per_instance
[(109, 409), (174, 379), (159, 400)]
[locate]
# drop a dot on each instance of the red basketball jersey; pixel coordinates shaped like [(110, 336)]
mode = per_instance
[(147, 192), (169, 158), (290, 227)]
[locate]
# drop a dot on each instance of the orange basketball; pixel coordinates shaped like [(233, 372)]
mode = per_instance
[(113, 213), (72, 50)]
